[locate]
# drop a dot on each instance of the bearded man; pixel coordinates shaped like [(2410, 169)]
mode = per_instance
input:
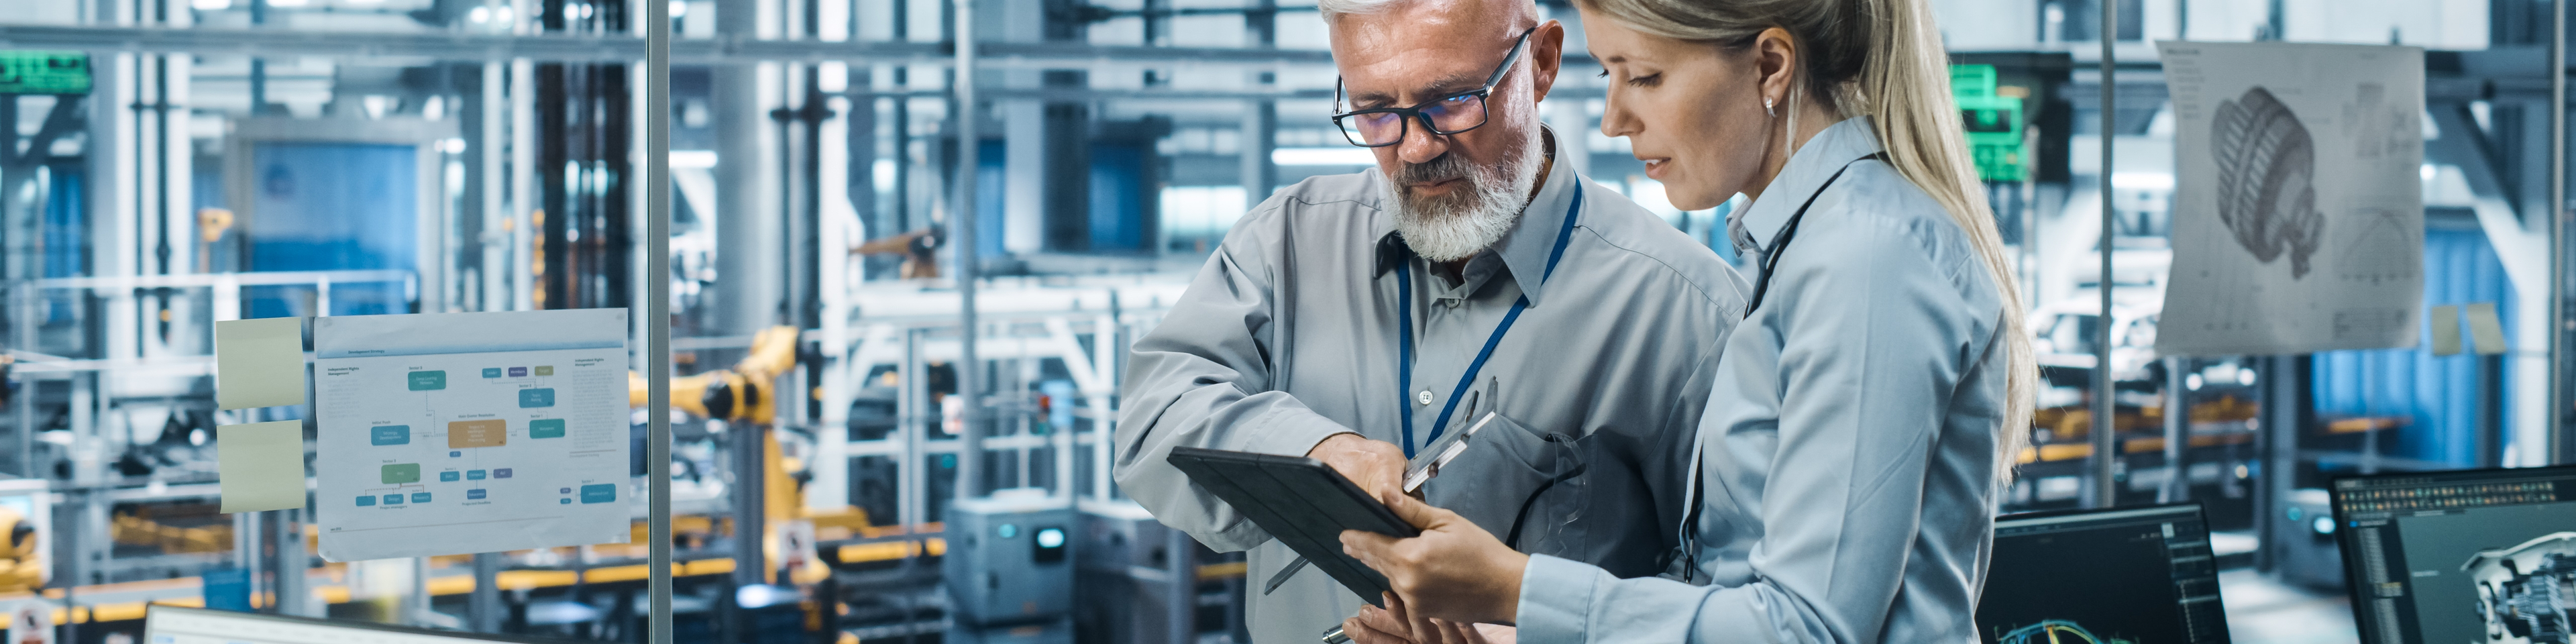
[(1356, 318)]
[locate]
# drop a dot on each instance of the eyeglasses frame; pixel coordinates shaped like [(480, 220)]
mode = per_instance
[(1414, 113)]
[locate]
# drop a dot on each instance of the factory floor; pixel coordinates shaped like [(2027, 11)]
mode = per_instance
[(2262, 610)]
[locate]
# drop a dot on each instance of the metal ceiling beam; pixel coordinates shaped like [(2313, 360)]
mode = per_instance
[(569, 48), (1082, 94)]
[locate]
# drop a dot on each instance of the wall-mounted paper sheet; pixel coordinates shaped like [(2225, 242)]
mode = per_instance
[(2298, 210), (261, 465), (259, 363), (2446, 330), (2486, 332), (451, 433)]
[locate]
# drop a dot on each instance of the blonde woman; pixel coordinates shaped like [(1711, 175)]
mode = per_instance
[(1869, 407)]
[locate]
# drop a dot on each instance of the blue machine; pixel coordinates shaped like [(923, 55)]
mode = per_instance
[(332, 206), (1118, 198)]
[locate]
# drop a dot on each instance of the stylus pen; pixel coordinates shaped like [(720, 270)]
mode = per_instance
[(1336, 636), (1422, 473)]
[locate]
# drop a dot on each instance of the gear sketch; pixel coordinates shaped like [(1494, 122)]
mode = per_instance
[(2266, 179)]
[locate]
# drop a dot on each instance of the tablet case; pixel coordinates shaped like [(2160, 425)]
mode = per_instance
[(1301, 502)]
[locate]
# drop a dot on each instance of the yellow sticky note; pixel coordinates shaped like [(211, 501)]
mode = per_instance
[(2486, 333), (261, 465), (2446, 330), (259, 363)]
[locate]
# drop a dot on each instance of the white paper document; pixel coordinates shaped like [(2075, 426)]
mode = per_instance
[(453, 433), (2298, 210)]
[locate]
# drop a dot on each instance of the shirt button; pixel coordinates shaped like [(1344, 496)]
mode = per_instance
[(1424, 397)]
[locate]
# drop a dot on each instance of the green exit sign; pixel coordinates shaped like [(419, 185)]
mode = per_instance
[(44, 72), (1993, 123)]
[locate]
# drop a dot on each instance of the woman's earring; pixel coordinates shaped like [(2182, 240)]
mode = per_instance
[(1766, 107)]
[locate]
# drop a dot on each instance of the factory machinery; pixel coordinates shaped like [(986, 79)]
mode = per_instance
[(852, 517)]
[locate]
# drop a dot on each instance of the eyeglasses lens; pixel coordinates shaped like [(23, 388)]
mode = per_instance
[(1457, 114), (1375, 128)]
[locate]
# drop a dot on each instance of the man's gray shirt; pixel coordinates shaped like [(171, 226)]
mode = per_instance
[(1292, 333)]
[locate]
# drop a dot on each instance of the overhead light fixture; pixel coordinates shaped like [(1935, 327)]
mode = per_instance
[(693, 158), (756, 596), (211, 5)]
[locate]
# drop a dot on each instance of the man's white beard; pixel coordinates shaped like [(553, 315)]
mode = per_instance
[(1458, 225)]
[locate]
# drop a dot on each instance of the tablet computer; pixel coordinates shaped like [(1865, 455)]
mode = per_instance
[(1301, 502)]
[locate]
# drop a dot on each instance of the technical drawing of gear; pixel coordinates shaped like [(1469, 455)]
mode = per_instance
[(2266, 179), (2524, 592), (2055, 631)]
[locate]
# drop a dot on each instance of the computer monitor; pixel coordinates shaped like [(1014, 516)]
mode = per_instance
[(2465, 556), (179, 625), (2139, 575)]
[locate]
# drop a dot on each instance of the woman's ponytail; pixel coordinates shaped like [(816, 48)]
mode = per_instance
[(1904, 87)]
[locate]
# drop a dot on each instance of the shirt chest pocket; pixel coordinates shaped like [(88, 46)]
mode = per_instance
[(1525, 486)]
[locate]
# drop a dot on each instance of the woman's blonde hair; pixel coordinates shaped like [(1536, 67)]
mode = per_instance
[(1881, 59)]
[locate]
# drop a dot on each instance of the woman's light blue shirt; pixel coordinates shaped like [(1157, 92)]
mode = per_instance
[(1847, 454)]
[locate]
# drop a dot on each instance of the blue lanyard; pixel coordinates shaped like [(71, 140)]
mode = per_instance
[(1404, 330)]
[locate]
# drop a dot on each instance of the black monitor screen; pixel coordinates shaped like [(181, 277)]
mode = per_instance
[(2453, 557), (2133, 575)]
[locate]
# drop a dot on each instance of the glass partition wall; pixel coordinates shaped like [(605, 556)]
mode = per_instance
[(171, 164)]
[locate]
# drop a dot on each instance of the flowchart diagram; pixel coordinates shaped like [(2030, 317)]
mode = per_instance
[(481, 432)]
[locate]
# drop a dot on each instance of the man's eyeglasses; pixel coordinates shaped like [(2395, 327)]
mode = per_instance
[(1385, 126)]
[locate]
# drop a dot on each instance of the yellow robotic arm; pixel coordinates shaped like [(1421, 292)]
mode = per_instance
[(745, 393), (20, 569)]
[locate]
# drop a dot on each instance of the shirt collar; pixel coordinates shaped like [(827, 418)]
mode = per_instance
[(1525, 249), (1838, 145)]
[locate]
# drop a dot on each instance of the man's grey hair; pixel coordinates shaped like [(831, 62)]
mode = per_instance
[(1332, 8), (1335, 8)]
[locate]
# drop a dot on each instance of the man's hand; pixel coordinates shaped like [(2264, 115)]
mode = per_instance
[(1377, 466), (1453, 571)]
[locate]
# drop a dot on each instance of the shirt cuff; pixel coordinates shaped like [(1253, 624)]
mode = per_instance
[(1556, 598), (1290, 431)]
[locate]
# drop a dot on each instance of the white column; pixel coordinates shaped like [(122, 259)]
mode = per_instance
[(116, 240), (523, 181), (1023, 128), (1023, 174), (839, 229), (496, 210)]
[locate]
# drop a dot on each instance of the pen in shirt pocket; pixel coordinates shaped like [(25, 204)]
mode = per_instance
[(1441, 451), (1426, 466)]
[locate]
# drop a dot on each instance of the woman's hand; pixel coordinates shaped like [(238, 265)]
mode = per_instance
[(1393, 626), (1453, 571)]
